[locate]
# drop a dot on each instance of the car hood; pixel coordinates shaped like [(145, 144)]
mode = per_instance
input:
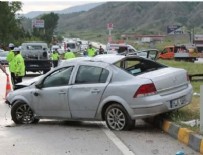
[(28, 82)]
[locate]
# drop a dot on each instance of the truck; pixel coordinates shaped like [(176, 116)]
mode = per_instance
[(180, 52), (36, 57)]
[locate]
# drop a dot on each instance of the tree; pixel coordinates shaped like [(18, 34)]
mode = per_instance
[(9, 25), (51, 21)]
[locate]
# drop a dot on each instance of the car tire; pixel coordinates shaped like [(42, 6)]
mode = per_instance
[(21, 113), (117, 118)]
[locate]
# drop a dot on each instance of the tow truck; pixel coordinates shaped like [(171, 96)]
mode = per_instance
[(180, 52), (36, 57)]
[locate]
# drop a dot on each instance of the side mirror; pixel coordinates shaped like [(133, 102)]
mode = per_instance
[(38, 84)]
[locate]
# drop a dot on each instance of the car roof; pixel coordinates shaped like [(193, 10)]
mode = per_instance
[(149, 49), (105, 58), (33, 43)]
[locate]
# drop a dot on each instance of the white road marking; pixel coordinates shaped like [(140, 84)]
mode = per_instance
[(121, 146)]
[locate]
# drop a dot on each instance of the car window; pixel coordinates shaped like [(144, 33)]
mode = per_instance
[(34, 47), (71, 45), (3, 54), (164, 51), (60, 77), (138, 66), (91, 74), (152, 54)]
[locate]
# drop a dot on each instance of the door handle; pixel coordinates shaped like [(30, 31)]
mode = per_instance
[(62, 92), (95, 91)]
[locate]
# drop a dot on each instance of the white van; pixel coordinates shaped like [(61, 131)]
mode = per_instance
[(73, 46), (119, 48)]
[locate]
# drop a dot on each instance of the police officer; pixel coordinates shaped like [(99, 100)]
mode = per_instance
[(10, 59), (69, 54), (19, 65), (91, 51), (55, 58)]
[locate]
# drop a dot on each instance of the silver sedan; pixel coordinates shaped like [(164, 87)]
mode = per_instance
[(115, 88)]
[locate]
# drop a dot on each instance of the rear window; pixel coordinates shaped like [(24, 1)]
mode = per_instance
[(34, 47), (71, 45), (138, 66)]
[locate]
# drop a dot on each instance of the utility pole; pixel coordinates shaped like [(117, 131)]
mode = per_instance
[(193, 34), (110, 27)]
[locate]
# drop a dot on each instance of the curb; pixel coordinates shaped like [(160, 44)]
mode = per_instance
[(184, 135)]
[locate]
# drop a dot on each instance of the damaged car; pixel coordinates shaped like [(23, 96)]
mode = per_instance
[(117, 89)]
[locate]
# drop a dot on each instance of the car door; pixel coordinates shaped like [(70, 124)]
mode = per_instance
[(85, 94), (152, 54), (51, 99)]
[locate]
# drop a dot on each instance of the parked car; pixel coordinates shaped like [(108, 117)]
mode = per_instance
[(116, 88), (3, 56)]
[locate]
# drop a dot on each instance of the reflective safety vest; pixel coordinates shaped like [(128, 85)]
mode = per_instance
[(10, 59), (55, 56), (91, 52), (19, 65), (69, 55)]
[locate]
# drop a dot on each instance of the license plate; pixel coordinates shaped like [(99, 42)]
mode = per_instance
[(177, 102), (34, 65)]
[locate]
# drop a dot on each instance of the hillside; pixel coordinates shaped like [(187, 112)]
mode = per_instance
[(138, 17)]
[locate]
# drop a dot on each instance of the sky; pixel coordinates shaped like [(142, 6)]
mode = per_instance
[(45, 5), (53, 5)]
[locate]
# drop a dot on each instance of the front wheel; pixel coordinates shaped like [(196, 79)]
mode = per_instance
[(117, 118), (22, 114)]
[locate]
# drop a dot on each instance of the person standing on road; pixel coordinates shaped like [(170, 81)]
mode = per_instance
[(91, 51), (3, 69), (101, 50), (19, 66), (55, 58), (69, 54), (10, 59)]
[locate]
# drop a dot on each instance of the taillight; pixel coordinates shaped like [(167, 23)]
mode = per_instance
[(145, 90)]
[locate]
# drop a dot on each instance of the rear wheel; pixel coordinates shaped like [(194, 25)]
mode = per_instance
[(117, 118), (22, 114)]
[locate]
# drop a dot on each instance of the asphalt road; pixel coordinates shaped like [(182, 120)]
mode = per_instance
[(57, 137)]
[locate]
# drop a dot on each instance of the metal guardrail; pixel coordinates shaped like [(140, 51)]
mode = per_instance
[(200, 76)]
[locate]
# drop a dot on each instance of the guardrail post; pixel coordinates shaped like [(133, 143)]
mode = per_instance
[(201, 108)]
